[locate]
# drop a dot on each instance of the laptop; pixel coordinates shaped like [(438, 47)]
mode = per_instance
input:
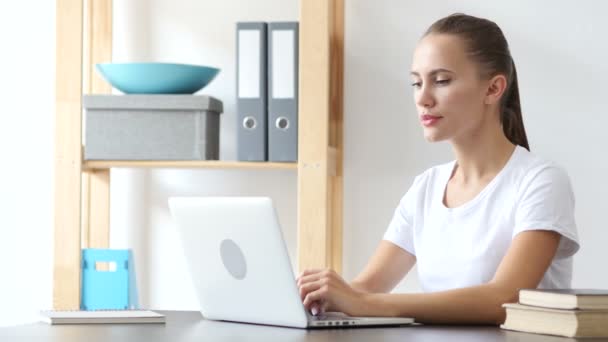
[(240, 267)]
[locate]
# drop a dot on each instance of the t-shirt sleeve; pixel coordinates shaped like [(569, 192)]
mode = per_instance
[(547, 203), (400, 230)]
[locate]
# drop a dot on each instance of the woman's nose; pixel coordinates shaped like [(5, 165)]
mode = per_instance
[(424, 98)]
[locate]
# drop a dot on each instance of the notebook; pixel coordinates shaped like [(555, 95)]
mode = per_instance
[(101, 316)]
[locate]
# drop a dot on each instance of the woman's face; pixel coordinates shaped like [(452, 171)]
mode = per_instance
[(448, 90)]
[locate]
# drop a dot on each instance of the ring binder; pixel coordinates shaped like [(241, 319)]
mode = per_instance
[(283, 91), (251, 102)]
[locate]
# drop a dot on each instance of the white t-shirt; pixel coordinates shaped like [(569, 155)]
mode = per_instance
[(463, 246)]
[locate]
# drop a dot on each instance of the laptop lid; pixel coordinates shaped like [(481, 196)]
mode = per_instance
[(237, 260)]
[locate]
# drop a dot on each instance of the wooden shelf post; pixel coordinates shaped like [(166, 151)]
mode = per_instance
[(96, 182), (320, 134), (68, 157)]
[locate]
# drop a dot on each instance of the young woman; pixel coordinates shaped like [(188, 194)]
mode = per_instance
[(495, 220)]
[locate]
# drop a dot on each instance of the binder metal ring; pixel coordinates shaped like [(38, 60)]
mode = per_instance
[(250, 123), (282, 123)]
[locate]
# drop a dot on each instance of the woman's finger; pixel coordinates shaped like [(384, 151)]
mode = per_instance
[(315, 276), (318, 308), (309, 287), (324, 306), (314, 308), (308, 272), (314, 296), (308, 278)]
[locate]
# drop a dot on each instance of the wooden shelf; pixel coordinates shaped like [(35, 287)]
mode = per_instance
[(187, 164), (82, 188)]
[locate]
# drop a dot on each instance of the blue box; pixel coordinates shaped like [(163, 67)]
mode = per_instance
[(113, 288)]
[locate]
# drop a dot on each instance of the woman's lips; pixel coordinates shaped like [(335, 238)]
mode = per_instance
[(429, 120)]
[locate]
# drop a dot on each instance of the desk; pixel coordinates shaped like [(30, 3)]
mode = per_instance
[(189, 326)]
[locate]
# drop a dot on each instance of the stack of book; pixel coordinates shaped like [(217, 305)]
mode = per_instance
[(567, 312)]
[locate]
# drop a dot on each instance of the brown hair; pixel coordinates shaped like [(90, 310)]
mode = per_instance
[(488, 47)]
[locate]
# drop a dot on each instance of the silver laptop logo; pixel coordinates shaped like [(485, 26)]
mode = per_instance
[(233, 259)]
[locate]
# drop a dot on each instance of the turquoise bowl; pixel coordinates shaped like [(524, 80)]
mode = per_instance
[(157, 78)]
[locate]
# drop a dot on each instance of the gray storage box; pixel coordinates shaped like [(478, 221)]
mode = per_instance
[(151, 127)]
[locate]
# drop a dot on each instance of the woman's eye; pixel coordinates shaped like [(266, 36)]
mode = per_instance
[(416, 84), (442, 82)]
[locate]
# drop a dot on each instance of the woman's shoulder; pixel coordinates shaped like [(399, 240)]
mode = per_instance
[(530, 167), (531, 173)]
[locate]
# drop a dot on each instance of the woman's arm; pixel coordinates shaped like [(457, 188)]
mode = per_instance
[(385, 269), (523, 266)]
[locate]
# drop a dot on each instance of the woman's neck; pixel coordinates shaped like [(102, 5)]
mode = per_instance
[(482, 155)]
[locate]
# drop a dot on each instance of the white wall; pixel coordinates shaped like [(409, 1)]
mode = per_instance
[(27, 71), (557, 46)]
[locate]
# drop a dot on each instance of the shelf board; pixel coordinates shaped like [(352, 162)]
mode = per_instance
[(187, 164)]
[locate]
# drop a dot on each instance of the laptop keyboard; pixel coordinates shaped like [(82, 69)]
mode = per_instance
[(332, 316)]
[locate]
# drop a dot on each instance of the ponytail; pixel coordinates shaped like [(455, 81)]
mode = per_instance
[(510, 116)]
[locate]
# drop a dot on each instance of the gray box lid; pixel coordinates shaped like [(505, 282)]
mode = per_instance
[(154, 102)]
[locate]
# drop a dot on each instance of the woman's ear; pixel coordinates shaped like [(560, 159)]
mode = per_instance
[(496, 88)]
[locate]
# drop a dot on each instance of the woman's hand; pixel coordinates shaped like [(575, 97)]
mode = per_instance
[(325, 290)]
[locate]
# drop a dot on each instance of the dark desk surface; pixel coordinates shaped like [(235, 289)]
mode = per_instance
[(190, 326)]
